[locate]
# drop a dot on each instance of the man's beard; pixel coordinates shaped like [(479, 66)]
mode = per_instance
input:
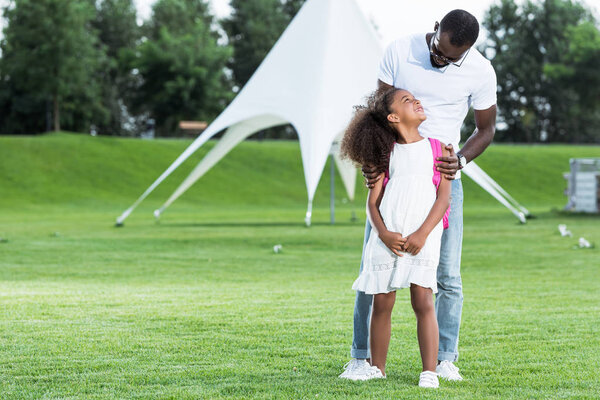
[(434, 65)]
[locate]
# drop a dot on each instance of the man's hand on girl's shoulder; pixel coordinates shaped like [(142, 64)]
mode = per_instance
[(448, 165), (371, 175)]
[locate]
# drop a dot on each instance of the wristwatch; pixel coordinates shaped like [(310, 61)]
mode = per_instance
[(462, 161)]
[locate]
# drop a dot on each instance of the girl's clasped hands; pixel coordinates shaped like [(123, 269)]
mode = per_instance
[(398, 244)]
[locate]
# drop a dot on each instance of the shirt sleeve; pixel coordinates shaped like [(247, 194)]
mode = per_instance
[(484, 95), (387, 66)]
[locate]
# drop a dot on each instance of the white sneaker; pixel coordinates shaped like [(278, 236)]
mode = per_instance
[(447, 370), (354, 367), (360, 370), (429, 379), (375, 373)]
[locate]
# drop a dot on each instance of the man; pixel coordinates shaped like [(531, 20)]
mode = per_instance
[(448, 75)]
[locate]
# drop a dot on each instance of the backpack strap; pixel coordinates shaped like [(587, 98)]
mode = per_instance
[(436, 148), (386, 178)]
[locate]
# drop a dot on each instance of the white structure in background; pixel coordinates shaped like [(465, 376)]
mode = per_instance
[(324, 63), (583, 187), (148, 132)]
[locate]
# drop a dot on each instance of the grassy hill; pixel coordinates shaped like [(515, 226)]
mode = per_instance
[(80, 170), (200, 307)]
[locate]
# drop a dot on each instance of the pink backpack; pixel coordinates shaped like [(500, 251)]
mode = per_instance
[(436, 148)]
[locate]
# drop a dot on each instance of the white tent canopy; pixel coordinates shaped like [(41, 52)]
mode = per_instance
[(323, 64)]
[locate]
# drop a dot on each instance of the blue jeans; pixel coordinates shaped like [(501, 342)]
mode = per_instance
[(449, 299)]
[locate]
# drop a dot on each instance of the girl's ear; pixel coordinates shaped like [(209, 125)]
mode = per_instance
[(393, 118)]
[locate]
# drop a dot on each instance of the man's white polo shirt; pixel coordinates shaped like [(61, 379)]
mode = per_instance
[(446, 93)]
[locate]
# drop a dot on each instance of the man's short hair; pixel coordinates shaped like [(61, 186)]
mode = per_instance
[(461, 26)]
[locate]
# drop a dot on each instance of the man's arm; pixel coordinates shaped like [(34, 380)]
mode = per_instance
[(485, 122), (485, 128)]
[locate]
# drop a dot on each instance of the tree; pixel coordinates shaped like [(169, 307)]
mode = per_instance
[(576, 73), (181, 66), (291, 7), (49, 57), (179, 17), (253, 28), (522, 42), (118, 35)]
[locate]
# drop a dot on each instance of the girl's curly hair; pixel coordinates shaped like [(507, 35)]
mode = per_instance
[(369, 138)]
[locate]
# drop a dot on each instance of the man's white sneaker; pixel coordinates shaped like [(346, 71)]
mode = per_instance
[(429, 379), (447, 370), (355, 367), (360, 370)]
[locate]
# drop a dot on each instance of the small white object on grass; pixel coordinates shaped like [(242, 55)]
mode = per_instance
[(277, 248), (562, 228), (584, 244)]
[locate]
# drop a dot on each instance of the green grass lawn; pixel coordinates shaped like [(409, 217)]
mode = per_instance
[(199, 305)]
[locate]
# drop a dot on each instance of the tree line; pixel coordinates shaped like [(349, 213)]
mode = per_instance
[(545, 54), (84, 65), (81, 64)]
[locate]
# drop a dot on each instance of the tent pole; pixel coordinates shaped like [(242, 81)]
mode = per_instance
[(503, 192), (332, 198), (307, 219), (308, 213)]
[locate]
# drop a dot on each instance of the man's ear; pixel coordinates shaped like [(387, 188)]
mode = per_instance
[(436, 26)]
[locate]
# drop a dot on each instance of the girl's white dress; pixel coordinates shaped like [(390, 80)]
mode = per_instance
[(407, 200)]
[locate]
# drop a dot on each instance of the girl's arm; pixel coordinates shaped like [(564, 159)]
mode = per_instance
[(416, 240), (393, 240)]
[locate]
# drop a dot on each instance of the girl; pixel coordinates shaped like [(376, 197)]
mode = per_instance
[(404, 246)]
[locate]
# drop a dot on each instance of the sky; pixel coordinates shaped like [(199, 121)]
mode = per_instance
[(393, 18)]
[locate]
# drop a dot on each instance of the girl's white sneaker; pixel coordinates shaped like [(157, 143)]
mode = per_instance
[(375, 373), (429, 379)]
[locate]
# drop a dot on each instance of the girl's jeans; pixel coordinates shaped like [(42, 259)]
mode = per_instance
[(449, 299)]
